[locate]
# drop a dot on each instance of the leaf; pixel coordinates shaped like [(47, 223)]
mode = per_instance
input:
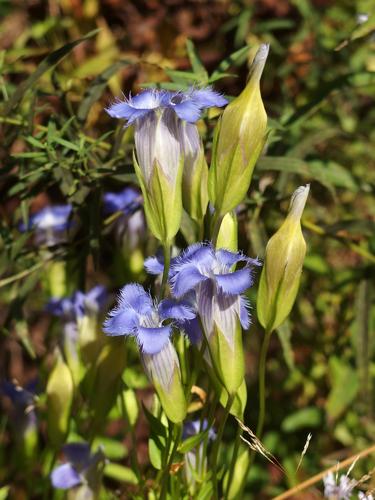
[(97, 87), (120, 473), (155, 451), (306, 417), (48, 62), (196, 63), (344, 387), (114, 450), (193, 441), (235, 59), (284, 333), (157, 428)]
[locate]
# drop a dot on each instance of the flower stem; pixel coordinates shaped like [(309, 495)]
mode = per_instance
[(215, 451), (262, 400), (234, 459), (176, 430), (262, 382), (167, 263)]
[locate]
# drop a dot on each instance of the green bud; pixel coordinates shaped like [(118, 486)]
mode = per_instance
[(60, 389), (228, 237), (195, 173), (239, 139), (285, 253)]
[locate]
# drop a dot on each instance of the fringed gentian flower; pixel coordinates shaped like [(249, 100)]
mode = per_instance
[(158, 117), (130, 228), (220, 302), (338, 488), (196, 459), (138, 316), (51, 225), (79, 314), (24, 419), (82, 469)]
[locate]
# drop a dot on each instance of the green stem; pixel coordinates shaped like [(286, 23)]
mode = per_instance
[(167, 263), (234, 459), (177, 432), (215, 451), (262, 400), (262, 382), (216, 223)]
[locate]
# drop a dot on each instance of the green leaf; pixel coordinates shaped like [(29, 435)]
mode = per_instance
[(284, 333), (344, 387), (304, 418), (156, 426), (196, 63), (235, 59), (114, 450), (97, 87), (193, 441), (155, 451), (120, 473), (47, 63)]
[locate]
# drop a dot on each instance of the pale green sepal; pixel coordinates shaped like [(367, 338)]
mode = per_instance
[(239, 402), (195, 189), (228, 359), (162, 201), (60, 389), (172, 399)]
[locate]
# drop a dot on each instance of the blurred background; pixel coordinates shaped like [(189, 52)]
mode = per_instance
[(57, 144)]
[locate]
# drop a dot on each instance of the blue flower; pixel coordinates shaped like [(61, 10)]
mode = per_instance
[(218, 287), (127, 201), (51, 224), (338, 488), (81, 467), (187, 105), (196, 460), (193, 427), (79, 304), (23, 401), (137, 315)]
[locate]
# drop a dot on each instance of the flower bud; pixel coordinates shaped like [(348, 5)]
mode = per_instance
[(60, 389), (285, 253), (239, 139), (228, 233), (195, 173), (158, 166)]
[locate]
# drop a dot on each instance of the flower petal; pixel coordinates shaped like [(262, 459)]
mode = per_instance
[(121, 322), (244, 313), (134, 296), (193, 330), (208, 98), (123, 110), (177, 310), (186, 280), (65, 477), (152, 340), (154, 265), (77, 453), (187, 110), (236, 282), (127, 201)]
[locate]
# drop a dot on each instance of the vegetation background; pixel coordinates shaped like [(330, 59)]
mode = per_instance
[(57, 144)]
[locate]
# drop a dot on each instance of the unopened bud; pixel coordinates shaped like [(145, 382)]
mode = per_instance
[(285, 253), (239, 139)]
